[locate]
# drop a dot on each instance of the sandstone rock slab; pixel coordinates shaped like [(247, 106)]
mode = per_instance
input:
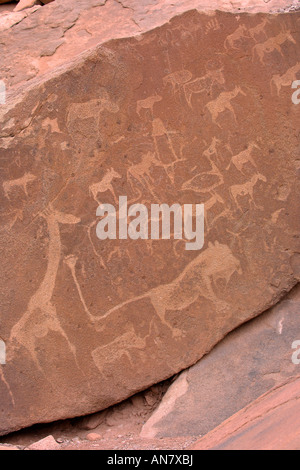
[(64, 29), (269, 423), (245, 365), (197, 111)]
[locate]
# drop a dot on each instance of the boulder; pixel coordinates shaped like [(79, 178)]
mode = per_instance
[(197, 111), (48, 443), (246, 364), (269, 423), (22, 4)]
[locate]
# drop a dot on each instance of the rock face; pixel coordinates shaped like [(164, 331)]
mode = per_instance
[(270, 423), (65, 28), (197, 111), (246, 364)]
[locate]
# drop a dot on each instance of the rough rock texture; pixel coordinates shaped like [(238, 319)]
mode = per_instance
[(48, 443), (270, 423), (65, 28), (198, 110), (247, 363)]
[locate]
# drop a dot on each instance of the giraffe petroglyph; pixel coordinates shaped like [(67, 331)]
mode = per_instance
[(40, 316)]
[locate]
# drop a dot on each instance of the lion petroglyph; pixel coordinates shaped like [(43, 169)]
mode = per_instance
[(40, 316), (196, 280)]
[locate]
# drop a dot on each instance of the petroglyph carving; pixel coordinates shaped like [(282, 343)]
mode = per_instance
[(246, 189), (205, 83), (122, 345), (196, 280), (212, 25), (41, 313), (92, 108), (148, 103), (223, 103), (71, 261), (212, 149), (271, 45), (104, 185), (259, 29), (141, 172), (22, 182), (244, 157), (286, 79), (159, 130), (209, 204), (205, 182), (232, 39), (177, 79)]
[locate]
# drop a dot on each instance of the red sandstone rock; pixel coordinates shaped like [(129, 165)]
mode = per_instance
[(269, 423), (93, 436), (48, 443), (8, 447), (198, 110), (247, 363)]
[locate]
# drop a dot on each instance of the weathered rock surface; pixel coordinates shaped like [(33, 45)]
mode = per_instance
[(198, 110), (270, 423), (65, 28), (48, 443), (246, 364)]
